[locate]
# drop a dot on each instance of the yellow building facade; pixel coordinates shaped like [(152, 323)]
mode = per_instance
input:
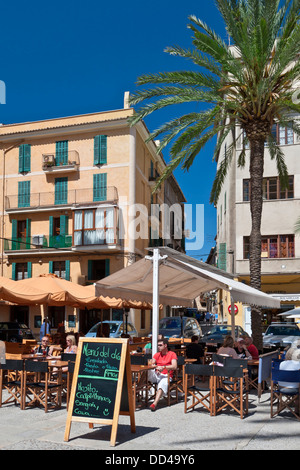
[(72, 190)]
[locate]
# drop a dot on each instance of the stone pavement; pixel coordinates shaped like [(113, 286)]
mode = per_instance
[(168, 428)]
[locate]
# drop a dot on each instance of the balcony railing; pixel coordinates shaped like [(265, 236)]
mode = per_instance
[(47, 199), (38, 241), (68, 161)]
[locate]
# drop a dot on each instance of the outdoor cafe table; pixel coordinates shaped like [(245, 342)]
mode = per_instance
[(137, 371)]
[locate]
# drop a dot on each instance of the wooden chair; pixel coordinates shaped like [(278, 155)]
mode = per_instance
[(70, 373), (283, 397), (176, 382), (41, 391), (202, 392), (140, 385), (231, 395), (11, 380)]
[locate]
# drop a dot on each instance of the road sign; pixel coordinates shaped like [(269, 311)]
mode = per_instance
[(235, 309)]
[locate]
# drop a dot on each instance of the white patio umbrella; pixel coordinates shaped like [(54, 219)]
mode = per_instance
[(293, 311)]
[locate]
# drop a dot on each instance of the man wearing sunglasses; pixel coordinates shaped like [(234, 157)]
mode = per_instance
[(165, 361)]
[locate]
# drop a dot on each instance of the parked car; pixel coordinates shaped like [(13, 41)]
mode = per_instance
[(14, 332), (218, 333), (170, 327), (281, 334), (115, 327)]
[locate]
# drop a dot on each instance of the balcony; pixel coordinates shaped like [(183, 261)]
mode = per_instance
[(65, 164), (38, 242), (73, 198)]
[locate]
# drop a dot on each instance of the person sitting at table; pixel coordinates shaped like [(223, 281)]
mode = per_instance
[(251, 348), (227, 348), (71, 345), (165, 361), (241, 349), (44, 347), (194, 350), (149, 345)]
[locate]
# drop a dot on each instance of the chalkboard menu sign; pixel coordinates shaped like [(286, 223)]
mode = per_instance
[(101, 388)]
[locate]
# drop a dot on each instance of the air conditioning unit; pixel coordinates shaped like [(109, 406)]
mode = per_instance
[(49, 159), (38, 240)]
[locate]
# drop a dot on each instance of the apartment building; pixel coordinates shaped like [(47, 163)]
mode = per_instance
[(71, 196), (280, 246)]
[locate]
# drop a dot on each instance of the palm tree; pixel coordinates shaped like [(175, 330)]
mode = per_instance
[(250, 84)]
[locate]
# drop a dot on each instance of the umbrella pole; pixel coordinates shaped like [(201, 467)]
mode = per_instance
[(156, 258)]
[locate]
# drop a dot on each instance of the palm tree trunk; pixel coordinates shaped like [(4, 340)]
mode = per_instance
[(256, 202)]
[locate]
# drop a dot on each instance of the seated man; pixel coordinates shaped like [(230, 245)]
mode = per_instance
[(165, 361), (194, 350)]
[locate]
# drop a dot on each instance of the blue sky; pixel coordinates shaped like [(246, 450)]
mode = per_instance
[(62, 58)]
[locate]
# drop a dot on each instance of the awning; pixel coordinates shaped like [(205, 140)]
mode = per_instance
[(287, 297), (181, 280)]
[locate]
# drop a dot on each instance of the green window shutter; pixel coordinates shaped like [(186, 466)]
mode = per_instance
[(14, 227), (24, 194), (28, 234), (13, 271), (61, 156), (51, 225), (64, 225), (29, 269), (50, 266), (107, 268), (100, 187), (61, 191), (67, 267), (100, 149), (90, 269), (24, 158), (222, 256)]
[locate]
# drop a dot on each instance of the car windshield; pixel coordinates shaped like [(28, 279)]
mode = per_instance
[(283, 330), (170, 323), (112, 327), (221, 330)]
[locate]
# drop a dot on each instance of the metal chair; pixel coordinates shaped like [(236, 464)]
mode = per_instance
[(202, 392), (283, 394)]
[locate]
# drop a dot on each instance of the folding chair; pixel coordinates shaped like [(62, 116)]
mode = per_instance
[(11, 380), (283, 396), (68, 357), (176, 382), (71, 367), (234, 397), (141, 386), (202, 393), (41, 389)]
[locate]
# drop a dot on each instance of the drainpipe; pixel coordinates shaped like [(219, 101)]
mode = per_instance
[(5, 151)]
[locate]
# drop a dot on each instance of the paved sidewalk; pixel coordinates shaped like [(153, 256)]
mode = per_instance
[(168, 428)]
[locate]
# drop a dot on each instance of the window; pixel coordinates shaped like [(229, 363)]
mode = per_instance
[(98, 269), (273, 246), (24, 158), (24, 194), (21, 271), (21, 234), (283, 135), (100, 187), (95, 227), (61, 191), (61, 156), (100, 149), (61, 268), (271, 189)]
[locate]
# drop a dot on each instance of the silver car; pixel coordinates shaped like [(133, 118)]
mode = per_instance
[(281, 335)]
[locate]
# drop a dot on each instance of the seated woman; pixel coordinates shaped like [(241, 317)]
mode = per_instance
[(227, 348), (71, 345)]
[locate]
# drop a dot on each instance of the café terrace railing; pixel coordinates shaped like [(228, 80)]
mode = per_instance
[(69, 198)]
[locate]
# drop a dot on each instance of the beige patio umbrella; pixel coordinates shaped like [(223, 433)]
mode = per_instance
[(114, 302), (61, 292), (15, 292)]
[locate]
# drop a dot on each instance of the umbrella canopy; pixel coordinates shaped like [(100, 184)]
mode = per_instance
[(114, 302), (14, 291), (62, 292), (181, 280), (293, 311)]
